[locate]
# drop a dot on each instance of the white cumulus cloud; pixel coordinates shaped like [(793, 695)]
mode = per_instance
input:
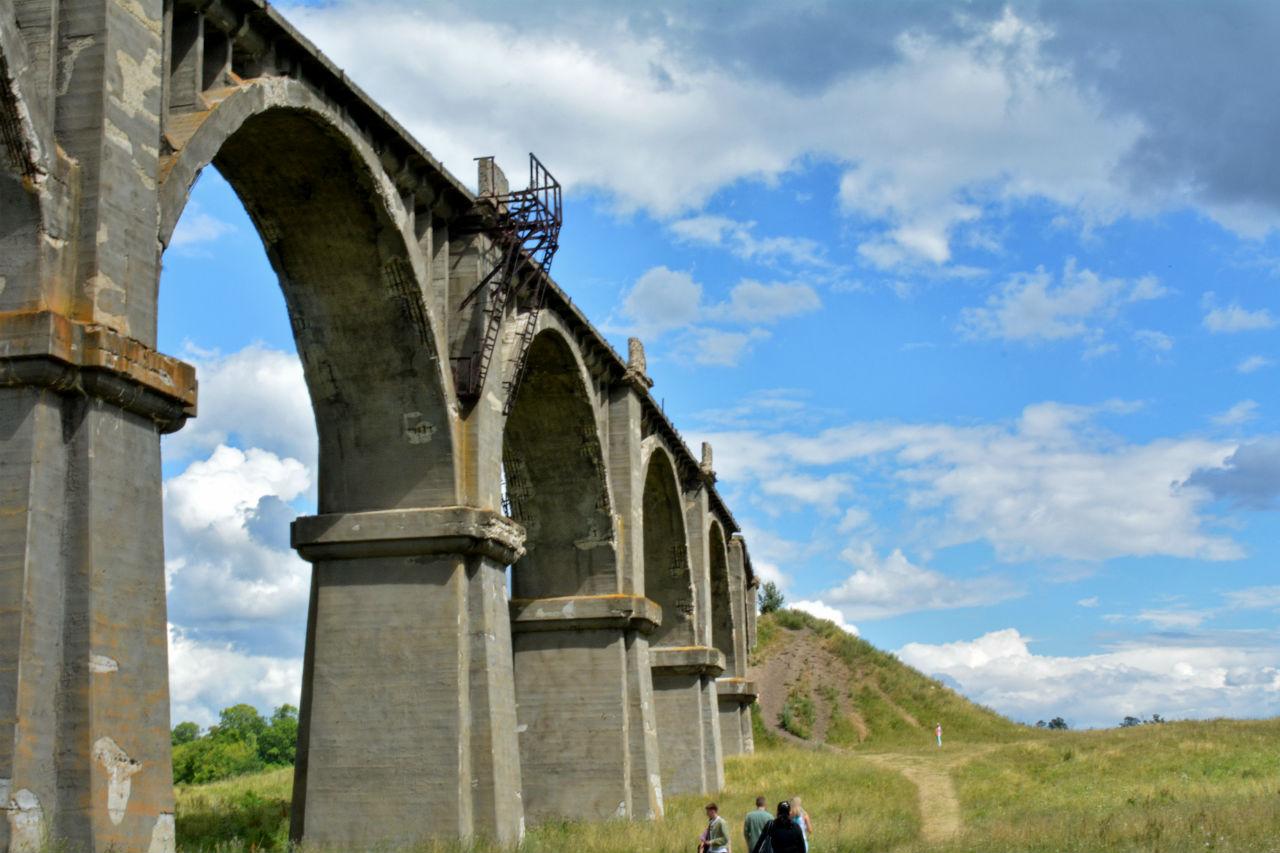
[(987, 115), (1242, 412), (196, 229), (892, 585), (824, 611), (1233, 318), (205, 677), (1253, 363), (254, 397), (664, 300), (226, 534), (1208, 677), (752, 301), (1049, 485), (741, 239), (1033, 307)]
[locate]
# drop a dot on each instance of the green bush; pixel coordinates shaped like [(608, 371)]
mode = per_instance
[(242, 742), (798, 715), (278, 743), (209, 759)]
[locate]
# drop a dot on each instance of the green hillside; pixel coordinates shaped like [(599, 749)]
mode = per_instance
[(823, 685)]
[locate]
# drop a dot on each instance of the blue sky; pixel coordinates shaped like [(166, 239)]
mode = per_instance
[(978, 309)]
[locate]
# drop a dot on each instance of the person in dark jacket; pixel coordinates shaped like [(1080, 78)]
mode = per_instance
[(781, 834)]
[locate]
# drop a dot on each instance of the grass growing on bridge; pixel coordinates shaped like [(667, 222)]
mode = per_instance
[(1173, 788)]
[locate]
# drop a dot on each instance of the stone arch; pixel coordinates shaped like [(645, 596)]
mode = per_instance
[(557, 484), (19, 200), (335, 232), (387, 572), (23, 125), (722, 626), (668, 579)]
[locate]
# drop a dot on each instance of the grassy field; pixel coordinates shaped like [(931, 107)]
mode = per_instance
[(863, 807), (1203, 786), (874, 781), (1172, 788)]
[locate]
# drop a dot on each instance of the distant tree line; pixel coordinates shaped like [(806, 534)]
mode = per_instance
[(1057, 724), (243, 741)]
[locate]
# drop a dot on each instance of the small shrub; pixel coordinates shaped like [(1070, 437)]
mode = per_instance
[(762, 735), (209, 759), (798, 715), (770, 598)]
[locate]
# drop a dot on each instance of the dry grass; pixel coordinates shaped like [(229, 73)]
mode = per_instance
[(860, 807), (1208, 787), (1175, 788), (1202, 786)]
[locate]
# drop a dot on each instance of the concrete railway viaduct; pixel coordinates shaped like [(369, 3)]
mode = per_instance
[(470, 424)]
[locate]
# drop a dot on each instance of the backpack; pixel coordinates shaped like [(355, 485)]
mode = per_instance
[(764, 845)]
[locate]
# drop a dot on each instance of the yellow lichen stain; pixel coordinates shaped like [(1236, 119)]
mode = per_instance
[(137, 10)]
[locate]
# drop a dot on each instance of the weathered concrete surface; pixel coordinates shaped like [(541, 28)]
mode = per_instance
[(486, 711), (700, 530), (574, 702), (627, 472), (736, 696), (688, 724), (405, 654)]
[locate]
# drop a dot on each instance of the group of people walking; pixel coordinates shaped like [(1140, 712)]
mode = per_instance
[(786, 832)]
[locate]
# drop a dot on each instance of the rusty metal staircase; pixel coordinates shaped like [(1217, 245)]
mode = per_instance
[(524, 227)]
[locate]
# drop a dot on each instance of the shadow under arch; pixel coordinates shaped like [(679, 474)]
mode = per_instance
[(556, 480), (668, 579), (722, 626)]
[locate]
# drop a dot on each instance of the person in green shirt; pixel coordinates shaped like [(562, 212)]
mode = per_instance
[(755, 823), (716, 838)]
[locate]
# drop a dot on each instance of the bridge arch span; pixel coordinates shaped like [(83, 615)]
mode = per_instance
[(24, 147), (722, 616), (389, 528), (667, 576), (556, 479), (335, 233), (20, 163)]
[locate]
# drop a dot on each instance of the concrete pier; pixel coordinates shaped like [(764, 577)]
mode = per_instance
[(575, 699), (684, 685)]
